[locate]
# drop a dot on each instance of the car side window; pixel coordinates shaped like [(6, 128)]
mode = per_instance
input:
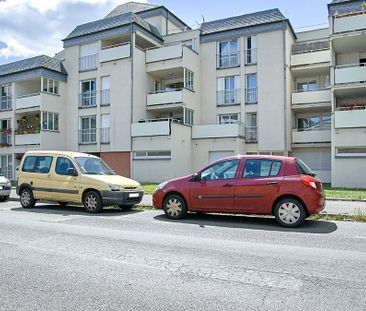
[(37, 164), (222, 170), (261, 168), (63, 165)]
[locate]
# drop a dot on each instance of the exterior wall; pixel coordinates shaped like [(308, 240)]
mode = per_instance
[(118, 161)]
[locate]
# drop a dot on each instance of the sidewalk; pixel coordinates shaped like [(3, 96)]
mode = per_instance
[(332, 207)]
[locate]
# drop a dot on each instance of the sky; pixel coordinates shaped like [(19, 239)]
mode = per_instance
[(33, 27)]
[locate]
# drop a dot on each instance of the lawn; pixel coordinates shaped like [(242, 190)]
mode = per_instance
[(340, 193), (149, 188)]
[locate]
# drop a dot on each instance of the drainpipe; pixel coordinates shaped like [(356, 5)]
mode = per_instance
[(285, 87), (132, 45)]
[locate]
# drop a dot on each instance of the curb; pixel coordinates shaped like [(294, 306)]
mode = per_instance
[(346, 200)]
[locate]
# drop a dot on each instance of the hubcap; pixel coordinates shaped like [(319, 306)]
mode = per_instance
[(173, 207), (289, 213), (91, 202), (25, 198)]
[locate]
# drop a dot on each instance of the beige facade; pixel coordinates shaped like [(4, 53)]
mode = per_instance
[(158, 100)]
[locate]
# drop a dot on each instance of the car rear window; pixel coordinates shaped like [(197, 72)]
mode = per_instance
[(302, 168), (37, 164), (261, 168)]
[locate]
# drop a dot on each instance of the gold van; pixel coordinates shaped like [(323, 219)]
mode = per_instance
[(73, 177)]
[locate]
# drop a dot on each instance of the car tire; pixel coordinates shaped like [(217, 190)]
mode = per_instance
[(26, 198), (93, 202), (175, 206), (4, 198), (289, 212), (125, 207)]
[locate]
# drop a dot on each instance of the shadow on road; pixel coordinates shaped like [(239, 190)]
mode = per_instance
[(73, 210), (251, 222)]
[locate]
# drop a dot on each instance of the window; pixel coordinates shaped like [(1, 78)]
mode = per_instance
[(88, 131), (50, 86), (261, 168), (93, 166), (229, 118), (6, 97), (63, 165), (251, 51), (50, 121), (151, 155), (251, 128), (192, 44), (228, 90), (227, 54), (188, 80), (105, 129), (188, 116), (37, 164), (307, 86), (88, 93), (348, 152), (313, 122), (221, 170), (88, 56), (251, 91), (105, 92), (6, 162)]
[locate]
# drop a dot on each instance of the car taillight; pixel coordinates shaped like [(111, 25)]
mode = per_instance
[(309, 181)]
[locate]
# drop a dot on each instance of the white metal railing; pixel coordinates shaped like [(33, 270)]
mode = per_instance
[(251, 95), (251, 134), (228, 97), (228, 60), (320, 128), (88, 62), (8, 172), (104, 135), (6, 103), (310, 47), (351, 65), (88, 99), (353, 106), (250, 56), (5, 138), (317, 88), (160, 120), (115, 45), (28, 95), (105, 97), (167, 90), (88, 136)]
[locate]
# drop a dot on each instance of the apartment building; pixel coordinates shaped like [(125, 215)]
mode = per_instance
[(156, 99)]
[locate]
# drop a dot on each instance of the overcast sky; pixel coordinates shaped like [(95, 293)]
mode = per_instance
[(34, 27)]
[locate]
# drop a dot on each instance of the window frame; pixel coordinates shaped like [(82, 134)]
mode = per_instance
[(217, 163), (48, 115), (242, 176), (37, 172), (62, 157)]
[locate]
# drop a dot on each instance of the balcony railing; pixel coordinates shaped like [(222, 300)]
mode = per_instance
[(228, 60), (114, 52), (250, 56), (104, 98), (251, 95), (88, 62), (251, 134), (309, 47), (88, 136), (5, 138), (88, 99), (350, 73), (153, 127), (228, 97), (8, 172), (5, 103), (104, 135)]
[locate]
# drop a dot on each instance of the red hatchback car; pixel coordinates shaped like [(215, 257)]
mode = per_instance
[(264, 185)]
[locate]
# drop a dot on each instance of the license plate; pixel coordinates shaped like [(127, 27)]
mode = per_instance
[(133, 195), (1, 187)]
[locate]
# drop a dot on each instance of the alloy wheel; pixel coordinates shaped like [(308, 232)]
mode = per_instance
[(289, 213)]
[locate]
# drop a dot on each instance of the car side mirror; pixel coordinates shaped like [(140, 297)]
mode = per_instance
[(72, 171), (196, 177)]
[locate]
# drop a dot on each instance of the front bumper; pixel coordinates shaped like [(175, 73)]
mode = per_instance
[(121, 197), (5, 191)]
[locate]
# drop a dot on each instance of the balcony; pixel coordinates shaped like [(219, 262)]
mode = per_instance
[(311, 58), (351, 73), (228, 97), (349, 22), (88, 99), (88, 62), (251, 134), (5, 138), (218, 131), (311, 136), (6, 103), (27, 139), (319, 97), (251, 95), (227, 60), (28, 101), (250, 57), (114, 52), (105, 135), (87, 136), (153, 127), (350, 118), (168, 98), (105, 98)]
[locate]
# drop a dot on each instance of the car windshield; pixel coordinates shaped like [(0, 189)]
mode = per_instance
[(302, 168), (93, 166)]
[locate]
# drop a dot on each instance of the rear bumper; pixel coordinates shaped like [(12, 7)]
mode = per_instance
[(121, 197), (316, 204)]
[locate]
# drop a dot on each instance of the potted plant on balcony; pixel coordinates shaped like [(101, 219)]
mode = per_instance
[(363, 6)]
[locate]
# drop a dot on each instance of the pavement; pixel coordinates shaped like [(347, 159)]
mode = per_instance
[(332, 207), (62, 258)]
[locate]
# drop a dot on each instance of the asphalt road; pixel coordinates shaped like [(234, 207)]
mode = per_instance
[(54, 258)]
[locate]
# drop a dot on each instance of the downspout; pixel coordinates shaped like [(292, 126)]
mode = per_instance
[(132, 44), (285, 87)]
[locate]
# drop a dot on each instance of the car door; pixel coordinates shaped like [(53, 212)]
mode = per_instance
[(65, 187), (258, 185), (213, 189)]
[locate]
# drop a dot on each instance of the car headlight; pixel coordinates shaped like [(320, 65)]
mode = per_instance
[(140, 188), (115, 187), (161, 185)]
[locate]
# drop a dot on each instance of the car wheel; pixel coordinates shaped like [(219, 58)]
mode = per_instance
[(26, 198), (4, 198), (125, 207), (93, 202), (174, 206), (290, 212)]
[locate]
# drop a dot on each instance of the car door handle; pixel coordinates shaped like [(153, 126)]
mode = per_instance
[(228, 185), (272, 182)]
